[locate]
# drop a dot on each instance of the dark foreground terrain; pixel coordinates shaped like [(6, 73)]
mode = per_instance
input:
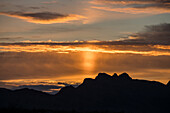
[(46, 111), (105, 93)]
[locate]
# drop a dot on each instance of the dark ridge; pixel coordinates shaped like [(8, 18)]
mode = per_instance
[(5, 92), (103, 76), (25, 90), (66, 90), (115, 75), (28, 91), (45, 111), (87, 80), (2, 90), (105, 93), (125, 76), (168, 84)]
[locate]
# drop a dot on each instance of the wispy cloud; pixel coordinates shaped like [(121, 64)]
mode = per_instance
[(133, 6), (44, 17), (134, 10), (140, 2)]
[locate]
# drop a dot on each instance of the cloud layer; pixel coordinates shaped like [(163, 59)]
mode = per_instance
[(44, 17), (153, 40), (154, 34), (133, 6)]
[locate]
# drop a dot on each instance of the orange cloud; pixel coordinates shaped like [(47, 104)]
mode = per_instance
[(112, 49), (44, 17), (151, 10), (132, 6), (166, 47), (121, 2)]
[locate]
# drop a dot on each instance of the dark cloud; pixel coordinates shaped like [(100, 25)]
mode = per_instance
[(140, 3), (43, 17), (159, 5), (38, 16), (154, 34), (152, 3)]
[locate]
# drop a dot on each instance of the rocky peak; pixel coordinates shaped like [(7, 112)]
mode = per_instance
[(168, 84), (66, 90), (125, 76), (115, 75), (87, 80), (103, 76)]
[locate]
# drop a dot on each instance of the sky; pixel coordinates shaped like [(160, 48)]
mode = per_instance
[(48, 44)]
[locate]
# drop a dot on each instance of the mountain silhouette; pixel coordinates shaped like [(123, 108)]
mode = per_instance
[(104, 93), (168, 84)]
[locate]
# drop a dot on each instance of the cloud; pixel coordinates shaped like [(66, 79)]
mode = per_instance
[(44, 17), (111, 49), (153, 34), (133, 6), (133, 10), (153, 40), (68, 84), (4, 85), (125, 2)]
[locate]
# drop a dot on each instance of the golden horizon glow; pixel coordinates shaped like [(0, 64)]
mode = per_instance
[(78, 79), (95, 49), (89, 61)]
